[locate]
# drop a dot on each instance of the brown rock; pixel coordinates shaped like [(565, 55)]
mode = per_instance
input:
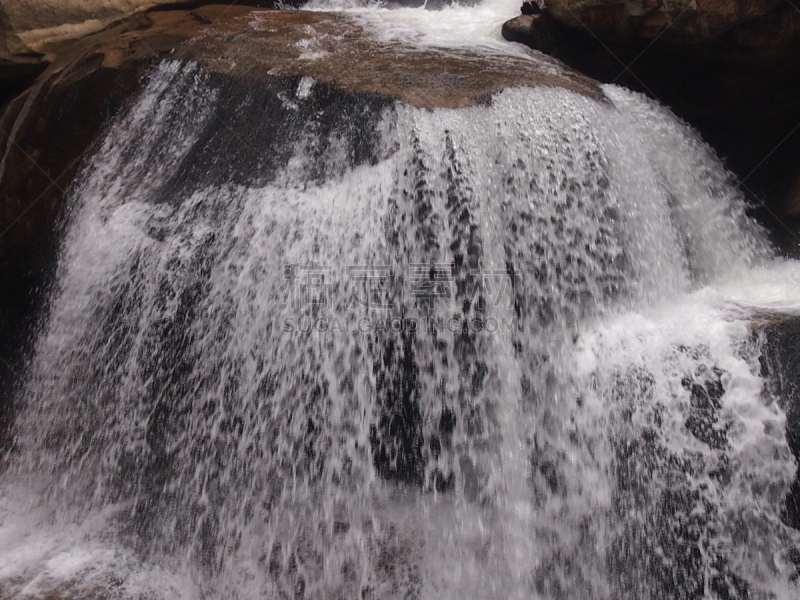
[(10, 44), (38, 25), (32, 32), (18, 63), (29, 15), (537, 31), (243, 41)]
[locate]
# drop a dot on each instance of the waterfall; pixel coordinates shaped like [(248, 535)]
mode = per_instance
[(306, 347)]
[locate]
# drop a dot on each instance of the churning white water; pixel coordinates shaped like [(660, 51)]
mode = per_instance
[(469, 25), (495, 352)]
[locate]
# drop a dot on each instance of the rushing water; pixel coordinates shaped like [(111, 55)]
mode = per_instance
[(384, 352)]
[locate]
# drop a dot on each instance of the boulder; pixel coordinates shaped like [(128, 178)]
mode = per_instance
[(10, 44), (38, 26), (88, 81), (18, 63), (549, 36), (41, 24), (33, 32), (52, 126)]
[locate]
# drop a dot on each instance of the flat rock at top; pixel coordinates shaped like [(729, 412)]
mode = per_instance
[(331, 47)]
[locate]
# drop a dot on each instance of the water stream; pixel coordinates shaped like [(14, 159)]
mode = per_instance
[(385, 352)]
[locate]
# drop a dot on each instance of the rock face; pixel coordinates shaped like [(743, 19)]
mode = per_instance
[(686, 21), (731, 68), (33, 32), (18, 63), (29, 29), (40, 24), (51, 127)]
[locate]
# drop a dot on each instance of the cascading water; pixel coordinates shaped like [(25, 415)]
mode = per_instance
[(306, 348)]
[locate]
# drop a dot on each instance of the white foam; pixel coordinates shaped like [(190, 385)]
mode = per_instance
[(475, 28), (43, 558), (773, 288)]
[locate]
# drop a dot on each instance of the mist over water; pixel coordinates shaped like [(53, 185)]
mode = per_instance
[(542, 382)]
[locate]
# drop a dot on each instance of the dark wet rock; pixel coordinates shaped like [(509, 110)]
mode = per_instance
[(441, 482), (530, 7), (545, 470), (730, 69), (256, 115), (683, 21), (780, 362), (471, 479), (19, 65), (706, 394), (397, 439), (447, 422)]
